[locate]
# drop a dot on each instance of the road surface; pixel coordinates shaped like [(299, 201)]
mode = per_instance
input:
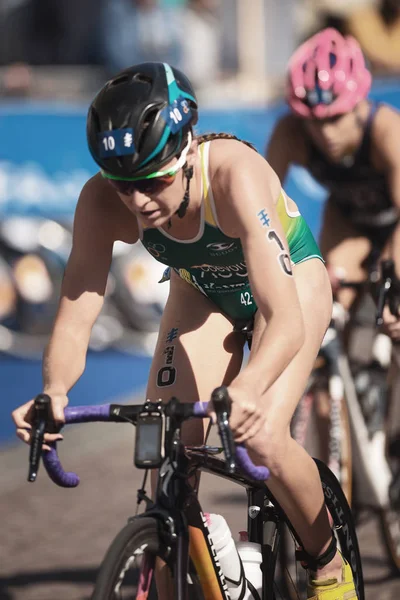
[(52, 539)]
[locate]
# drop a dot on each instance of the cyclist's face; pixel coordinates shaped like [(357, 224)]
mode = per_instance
[(335, 136), (153, 201)]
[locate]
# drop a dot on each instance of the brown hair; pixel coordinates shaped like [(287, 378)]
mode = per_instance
[(207, 137)]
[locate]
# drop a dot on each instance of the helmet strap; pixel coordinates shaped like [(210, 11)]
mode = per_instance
[(188, 172)]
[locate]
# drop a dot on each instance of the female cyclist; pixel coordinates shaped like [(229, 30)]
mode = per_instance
[(211, 209), (350, 145)]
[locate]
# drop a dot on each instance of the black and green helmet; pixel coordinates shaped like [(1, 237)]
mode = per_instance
[(140, 119)]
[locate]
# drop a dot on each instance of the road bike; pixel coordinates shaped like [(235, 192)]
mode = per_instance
[(349, 408), (173, 528)]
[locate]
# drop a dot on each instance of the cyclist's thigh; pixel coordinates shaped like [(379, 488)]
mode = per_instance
[(315, 297), (196, 349), (342, 246)]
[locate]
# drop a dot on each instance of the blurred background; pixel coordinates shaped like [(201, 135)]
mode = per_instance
[(54, 56)]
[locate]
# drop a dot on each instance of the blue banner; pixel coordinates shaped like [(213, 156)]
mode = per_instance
[(44, 160)]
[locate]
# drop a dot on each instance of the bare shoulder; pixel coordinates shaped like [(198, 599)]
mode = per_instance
[(100, 210), (289, 126), (226, 152), (288, 134), (286, 145), (242, 181), (232, 159)]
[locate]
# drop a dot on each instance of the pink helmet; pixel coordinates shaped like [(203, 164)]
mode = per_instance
[(327, 76)]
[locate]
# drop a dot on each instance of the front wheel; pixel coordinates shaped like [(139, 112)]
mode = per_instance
[(129, 566)]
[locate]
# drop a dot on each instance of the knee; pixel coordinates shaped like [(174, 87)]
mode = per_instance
[(270, 448)]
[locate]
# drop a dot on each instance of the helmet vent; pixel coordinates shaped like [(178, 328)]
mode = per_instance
[(149, 118), (142, 78), (119, 80)]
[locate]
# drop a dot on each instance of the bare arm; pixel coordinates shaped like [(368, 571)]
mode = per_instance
[(286, 146), (82, 292), (252, 189), (99, 219)]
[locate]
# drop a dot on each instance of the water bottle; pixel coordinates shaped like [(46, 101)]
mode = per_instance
[(230, 560), (251, 557)]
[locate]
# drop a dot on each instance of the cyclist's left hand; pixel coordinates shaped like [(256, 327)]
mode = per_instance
[(391, 324), (247, 416)]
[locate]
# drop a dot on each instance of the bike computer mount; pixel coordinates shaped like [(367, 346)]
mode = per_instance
[(149, 443)]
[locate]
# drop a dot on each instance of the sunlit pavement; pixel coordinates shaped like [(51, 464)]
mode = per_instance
[(53, 539)]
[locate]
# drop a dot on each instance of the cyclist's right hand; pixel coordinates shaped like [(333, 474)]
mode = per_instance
[(24, 414)]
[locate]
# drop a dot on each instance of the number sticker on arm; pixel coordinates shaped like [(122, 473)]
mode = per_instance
[(283, 257)]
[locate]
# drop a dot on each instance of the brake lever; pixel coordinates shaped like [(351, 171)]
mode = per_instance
[(41, 418), (222, 405)]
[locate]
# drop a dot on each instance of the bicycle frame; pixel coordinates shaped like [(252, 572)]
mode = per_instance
[(369, 454), (184, 523), (370, 463), (369, 459), (183, 530)]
